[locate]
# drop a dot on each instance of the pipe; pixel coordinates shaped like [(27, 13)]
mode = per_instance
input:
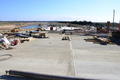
[(42, 76)]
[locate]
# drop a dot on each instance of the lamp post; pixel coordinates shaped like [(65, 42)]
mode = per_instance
[(113, 16)]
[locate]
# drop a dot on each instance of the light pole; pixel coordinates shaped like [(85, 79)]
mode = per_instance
[(113, 16)]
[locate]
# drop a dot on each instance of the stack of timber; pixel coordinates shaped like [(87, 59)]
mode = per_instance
[(102, 40)]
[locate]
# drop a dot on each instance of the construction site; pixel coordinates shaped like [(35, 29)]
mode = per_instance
[(60, 53)]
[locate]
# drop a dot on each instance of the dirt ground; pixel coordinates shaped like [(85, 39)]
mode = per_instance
[(8, 27)]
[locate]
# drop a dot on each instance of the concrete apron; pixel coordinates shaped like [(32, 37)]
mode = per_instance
[(66, 58), (46, 56)]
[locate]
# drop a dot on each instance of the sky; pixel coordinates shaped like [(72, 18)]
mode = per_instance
[(59, 10)]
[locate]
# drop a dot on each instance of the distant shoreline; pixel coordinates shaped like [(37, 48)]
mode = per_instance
[(8, 27)]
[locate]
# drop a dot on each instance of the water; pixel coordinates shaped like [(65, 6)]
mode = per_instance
[(31, 26)]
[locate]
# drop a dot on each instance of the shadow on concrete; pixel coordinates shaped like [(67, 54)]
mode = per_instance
[(10, 77), (115, 40)]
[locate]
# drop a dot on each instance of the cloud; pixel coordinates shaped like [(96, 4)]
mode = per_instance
[(46, 17), (58, 17)]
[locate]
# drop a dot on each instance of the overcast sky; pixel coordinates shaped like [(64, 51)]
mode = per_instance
[(60, 10)]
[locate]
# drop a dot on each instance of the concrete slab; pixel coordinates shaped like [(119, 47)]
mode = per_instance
[(96, 61), (46, 56), (68, 58)]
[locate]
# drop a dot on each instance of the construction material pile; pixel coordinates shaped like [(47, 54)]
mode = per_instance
[(102, 39), (4, 43), (105, 39), (9, 40), (66, 38), (14, 38)]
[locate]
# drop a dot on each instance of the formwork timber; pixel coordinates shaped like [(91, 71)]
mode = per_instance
[(54, 56)]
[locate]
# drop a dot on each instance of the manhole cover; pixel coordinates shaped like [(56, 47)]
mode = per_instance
[(5, 57)]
